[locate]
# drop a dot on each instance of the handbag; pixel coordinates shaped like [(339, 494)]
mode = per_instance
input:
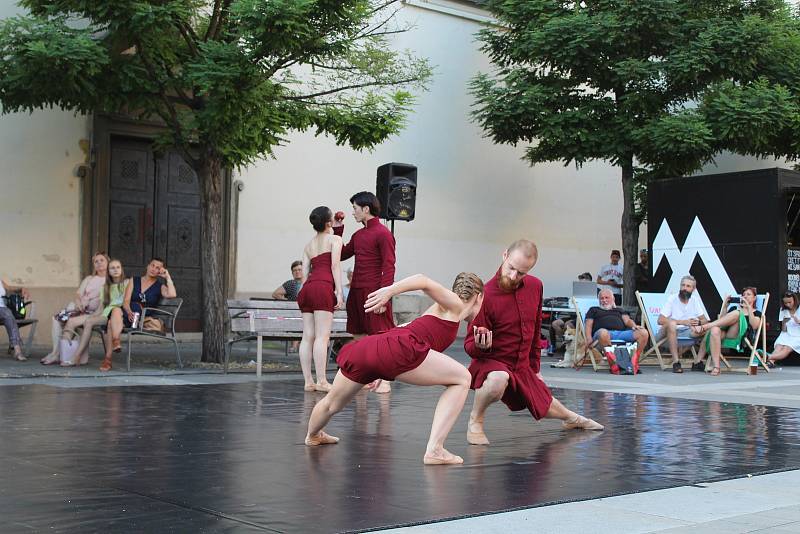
[(153, 323), (68, 349), (68, 311), (16, 304)]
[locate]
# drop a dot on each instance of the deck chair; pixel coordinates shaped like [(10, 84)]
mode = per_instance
[(742, 344), (582, 306), (650, 305)]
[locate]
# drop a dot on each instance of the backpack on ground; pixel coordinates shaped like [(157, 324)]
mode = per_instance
[(623, 359)]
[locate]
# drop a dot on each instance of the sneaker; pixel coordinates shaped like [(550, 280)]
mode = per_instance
[(699, 366)]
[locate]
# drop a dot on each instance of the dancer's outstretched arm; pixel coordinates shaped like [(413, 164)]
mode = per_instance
[(440, 294)]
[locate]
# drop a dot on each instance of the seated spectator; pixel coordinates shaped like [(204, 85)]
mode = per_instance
[(8, 319), (112, 296), (559, 326), (606, 322), (86, 303), (291, 288), (679, 315), (727, 327), (642, 276), (144, 291), (610, 277), (789, 339)]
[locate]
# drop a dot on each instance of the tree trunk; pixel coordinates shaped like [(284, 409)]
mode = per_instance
[(630, 234), (214, 314)]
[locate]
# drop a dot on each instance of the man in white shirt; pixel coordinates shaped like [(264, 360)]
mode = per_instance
[(610, 277), (682, 316)]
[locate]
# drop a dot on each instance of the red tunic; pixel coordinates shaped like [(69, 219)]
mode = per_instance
[(318, 292), (373, 248), (397, 351), (515, 320)]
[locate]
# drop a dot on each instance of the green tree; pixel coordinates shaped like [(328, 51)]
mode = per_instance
[(229, 79), (654, 87)]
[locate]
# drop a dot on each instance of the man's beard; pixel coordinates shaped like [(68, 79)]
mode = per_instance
[(507, 284), (607, 306), (684, 295)]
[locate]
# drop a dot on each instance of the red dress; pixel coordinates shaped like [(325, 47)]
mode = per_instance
[(397, 351), (515, 320), (318, 292)]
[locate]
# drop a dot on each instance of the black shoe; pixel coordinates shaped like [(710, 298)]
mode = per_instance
[(676, 367), (699, 366)]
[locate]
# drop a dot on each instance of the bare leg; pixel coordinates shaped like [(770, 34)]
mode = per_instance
[(338, 397), (729, 319), (715, 342), (86, 336), (671, 331), (440, 370), (115, 326), (322, 333), (569, 418), (306, 348), (69, 329), (780, 352), (491, 391)]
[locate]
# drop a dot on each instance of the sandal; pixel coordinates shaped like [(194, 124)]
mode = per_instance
[(770, 364), (676, 367), (699, 366), (715, 371)]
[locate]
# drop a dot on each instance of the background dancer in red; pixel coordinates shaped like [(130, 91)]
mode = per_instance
[(411, 354), (373, 247), (320, 295), (505, 347)]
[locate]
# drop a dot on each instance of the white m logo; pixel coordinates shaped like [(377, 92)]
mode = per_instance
[(680, 260)]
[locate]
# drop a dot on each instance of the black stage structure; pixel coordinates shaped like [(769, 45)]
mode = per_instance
[(742, 227), (230, 458)]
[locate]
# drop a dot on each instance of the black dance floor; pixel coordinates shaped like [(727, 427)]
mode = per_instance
[(230, 458)]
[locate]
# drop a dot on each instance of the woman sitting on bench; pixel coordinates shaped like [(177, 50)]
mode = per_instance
[(729, 329), (320, 295), (9, 321), (411, 354), (86, 304)]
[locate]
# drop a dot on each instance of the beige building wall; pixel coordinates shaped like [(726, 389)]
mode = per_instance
[(473, 197)]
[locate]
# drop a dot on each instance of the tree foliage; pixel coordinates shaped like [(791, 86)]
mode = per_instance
[(656, 87), (229, 79)]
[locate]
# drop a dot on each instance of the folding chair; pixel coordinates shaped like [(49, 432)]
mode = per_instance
[(741, 343), (582, 306), (650, 305)]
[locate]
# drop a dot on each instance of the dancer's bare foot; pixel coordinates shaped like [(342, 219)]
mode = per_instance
[(323, 387), (583, 423), (475, 434), (384, 387), (309, 387), (441, 457), (321, 439), (50, 359)]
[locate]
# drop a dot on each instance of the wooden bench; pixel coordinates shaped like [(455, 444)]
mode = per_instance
[(29, 320), (273, 320)]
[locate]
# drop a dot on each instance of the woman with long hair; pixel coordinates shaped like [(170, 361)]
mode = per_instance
[(410, 354), (728, 326), (85, 304), (789, 339), (111, 297), (320, 295)]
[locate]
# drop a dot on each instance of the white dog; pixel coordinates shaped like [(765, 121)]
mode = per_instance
[(569, 350)]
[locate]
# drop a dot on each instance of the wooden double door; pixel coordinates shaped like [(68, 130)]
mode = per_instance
[(154, 211)]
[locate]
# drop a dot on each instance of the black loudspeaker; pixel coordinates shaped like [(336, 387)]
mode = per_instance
[(397, 191)]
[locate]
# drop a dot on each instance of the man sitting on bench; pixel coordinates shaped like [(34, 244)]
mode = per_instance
[(682, 316), (606, 322)]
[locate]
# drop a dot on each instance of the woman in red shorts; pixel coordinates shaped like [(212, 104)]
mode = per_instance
[(320, 295), (411, 354)]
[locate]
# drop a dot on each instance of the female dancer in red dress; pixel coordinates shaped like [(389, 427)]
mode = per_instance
[(320, 295), (411, 354)]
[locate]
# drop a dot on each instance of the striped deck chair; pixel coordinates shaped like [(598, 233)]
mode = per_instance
[(742, 344)]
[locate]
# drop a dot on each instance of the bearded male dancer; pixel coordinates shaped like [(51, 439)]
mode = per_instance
[(504, 347)]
